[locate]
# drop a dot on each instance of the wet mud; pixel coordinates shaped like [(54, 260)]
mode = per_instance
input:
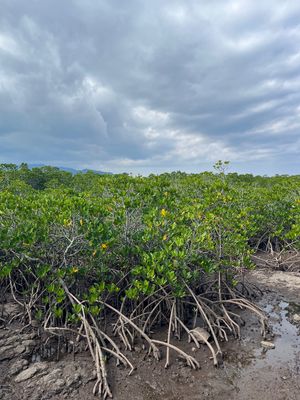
[(250, 370)]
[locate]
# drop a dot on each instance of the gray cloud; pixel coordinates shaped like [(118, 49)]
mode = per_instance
[(148, 87)]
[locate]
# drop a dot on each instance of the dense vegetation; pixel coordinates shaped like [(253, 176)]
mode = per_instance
[(112, 257)]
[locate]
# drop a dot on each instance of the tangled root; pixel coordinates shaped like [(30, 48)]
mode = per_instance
[(196, 317)]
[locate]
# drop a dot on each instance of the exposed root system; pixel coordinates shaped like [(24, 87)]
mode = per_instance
[(200, 314), (287, 259), (205, 315)]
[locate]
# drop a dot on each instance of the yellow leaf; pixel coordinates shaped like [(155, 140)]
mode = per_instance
[(163, 212)]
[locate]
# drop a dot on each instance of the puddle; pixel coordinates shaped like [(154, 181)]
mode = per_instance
[(274, 365), (286, 338)]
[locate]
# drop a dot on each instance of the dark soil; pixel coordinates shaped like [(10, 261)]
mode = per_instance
[(249, 371)]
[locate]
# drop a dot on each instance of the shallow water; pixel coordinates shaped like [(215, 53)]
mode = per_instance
[(273, 369), (286, 338)]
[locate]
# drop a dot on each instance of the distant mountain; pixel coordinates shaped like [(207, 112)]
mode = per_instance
[(72, 170), (95, 171)]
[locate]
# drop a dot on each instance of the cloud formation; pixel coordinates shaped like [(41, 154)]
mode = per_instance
[(151, 86)]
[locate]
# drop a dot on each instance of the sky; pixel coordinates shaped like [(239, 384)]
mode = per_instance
[(151, 86)]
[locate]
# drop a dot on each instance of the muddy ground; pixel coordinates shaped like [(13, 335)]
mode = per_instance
[(248, 371)]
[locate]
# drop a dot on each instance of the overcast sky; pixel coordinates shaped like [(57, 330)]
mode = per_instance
[(151, 86)]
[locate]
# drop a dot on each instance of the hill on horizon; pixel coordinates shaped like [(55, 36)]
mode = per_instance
[(68, 169)]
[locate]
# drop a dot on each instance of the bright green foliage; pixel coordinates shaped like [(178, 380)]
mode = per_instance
[(108, 237)]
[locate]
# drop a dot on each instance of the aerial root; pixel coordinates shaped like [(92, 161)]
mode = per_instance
[(101, 386), (152, 348), (216, 317), (205, 318), (191, 361), (116, 352), (243, 303), (169, 335)]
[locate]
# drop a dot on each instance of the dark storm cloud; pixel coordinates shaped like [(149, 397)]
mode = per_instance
[(151, 86)]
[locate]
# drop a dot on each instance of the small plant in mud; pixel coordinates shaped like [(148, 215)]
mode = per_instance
[(112, 258)]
